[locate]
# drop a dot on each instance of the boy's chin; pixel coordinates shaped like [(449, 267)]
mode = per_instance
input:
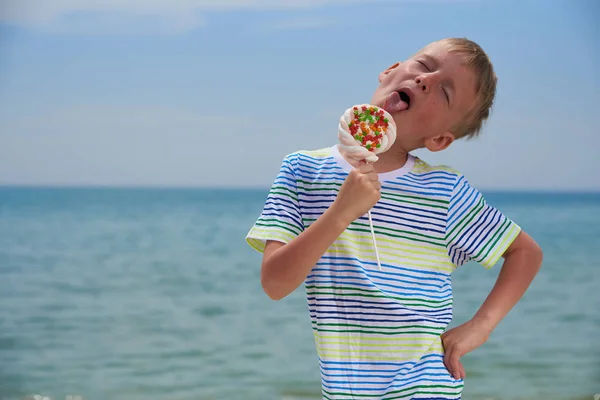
[(400, 118), (378, 103)]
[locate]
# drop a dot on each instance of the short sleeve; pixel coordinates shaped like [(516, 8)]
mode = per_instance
[(280, 219), (476, 231)]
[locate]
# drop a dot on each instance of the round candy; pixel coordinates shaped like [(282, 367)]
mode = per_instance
[(365, 131)]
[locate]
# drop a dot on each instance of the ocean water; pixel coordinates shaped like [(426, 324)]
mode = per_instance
[(153, 294)]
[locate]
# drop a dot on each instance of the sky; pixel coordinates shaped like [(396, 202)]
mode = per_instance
[(187, 93)]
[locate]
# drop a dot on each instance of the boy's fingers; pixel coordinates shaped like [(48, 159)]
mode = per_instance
[(447, 363), (455, 365), (366, 168), (463, 374), (373, 176), (452, 363)]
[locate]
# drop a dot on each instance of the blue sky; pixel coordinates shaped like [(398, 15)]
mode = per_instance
[(135, 92)]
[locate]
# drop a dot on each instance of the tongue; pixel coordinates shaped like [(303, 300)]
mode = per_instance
[(393, 103)]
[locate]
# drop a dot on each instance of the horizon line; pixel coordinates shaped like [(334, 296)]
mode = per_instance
[(261, 188)]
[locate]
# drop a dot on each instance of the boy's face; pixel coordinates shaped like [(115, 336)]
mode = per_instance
[(427, 95)]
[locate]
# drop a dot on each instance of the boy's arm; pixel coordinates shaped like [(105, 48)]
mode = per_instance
[(286, 266), (477, 231), (522, 261)]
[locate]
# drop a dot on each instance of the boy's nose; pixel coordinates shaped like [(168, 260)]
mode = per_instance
[(423, 82)]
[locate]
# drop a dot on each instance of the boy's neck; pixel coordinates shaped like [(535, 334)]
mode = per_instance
[(391, 160)]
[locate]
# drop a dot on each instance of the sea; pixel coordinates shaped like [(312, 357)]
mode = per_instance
[(143, 294)]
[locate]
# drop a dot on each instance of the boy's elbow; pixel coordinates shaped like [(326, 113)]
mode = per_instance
[(270, 287), (538, 253), (270, 283), (534, 253), (273, 295), (271, 291), (535, 250)]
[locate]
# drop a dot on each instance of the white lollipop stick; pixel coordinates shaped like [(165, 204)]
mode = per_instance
[(374, 241), (365, 131)]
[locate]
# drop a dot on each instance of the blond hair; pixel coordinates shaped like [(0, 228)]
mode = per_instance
[(478, 61)]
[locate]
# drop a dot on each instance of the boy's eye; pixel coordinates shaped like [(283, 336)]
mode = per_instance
[(446, 94), (423, 64)]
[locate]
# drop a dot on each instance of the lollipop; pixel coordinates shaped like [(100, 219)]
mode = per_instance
[(365, 131)]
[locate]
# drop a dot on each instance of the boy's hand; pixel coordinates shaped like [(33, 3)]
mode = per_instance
[(459, 341), (358, 194)]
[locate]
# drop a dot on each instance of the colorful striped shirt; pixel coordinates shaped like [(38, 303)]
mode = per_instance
[(378, 333)]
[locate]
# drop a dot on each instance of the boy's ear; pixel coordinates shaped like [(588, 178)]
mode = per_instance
[(387, 71), (439, 142)]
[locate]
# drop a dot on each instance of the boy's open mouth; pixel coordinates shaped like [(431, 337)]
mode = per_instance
[(405, 98), (397, 101)]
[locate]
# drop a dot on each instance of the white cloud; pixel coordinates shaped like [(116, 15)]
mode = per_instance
[(133, 16)]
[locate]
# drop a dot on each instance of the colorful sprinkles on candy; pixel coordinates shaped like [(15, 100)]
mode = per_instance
[(368, 126)]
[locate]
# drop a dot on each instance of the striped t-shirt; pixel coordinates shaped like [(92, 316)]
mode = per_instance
[(377, 333)]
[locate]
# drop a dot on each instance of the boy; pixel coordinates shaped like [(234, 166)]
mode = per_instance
[(380, 334)]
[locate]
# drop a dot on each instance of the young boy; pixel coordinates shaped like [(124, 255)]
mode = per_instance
[(380, 334)]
